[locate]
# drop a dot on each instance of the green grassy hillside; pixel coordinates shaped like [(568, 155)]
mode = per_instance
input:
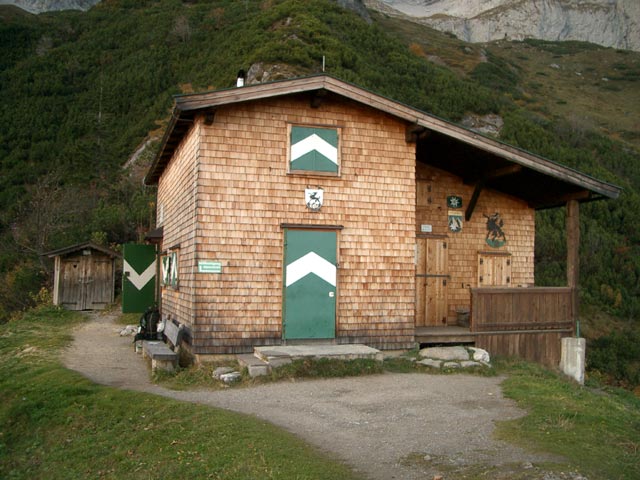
[(80, 92)]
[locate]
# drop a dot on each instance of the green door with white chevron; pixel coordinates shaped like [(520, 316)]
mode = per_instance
[(310, 276)]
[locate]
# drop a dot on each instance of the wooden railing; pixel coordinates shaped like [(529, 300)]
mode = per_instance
[(523, 322), (521, 309)]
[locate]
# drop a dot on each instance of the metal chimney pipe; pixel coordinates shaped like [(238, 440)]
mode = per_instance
[(240, 79)]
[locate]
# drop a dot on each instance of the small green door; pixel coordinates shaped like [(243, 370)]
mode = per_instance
[(309, 284)]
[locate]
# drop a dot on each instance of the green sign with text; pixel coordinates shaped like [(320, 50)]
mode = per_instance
[(209, 266)]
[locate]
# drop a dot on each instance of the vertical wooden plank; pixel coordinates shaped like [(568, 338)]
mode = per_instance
[(506, 271), (573, 255), (421, 256), (100, 286), (573, 243), (56, 280), (421, 284), (483, 278), (86, 262)]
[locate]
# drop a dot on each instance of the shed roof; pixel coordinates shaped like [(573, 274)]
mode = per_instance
[(479, 160), (82, 246)]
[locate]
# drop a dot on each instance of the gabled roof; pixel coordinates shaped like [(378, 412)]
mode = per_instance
[(82, 246), (478, 159)]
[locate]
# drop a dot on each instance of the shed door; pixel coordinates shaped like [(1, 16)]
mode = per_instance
[(86, 281), (309, 284), (99, 282), (71, 283), (432, 276)]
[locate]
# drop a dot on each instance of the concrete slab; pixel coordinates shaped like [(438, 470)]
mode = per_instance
[(255, 366), (279, 354)]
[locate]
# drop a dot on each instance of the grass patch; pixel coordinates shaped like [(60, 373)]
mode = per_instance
[(54, 424), (201, 376), (128, 319), (595, 430)]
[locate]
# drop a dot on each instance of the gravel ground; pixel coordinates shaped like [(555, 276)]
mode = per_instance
[(391, 426)]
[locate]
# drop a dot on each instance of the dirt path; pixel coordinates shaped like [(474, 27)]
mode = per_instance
[(391, 426)]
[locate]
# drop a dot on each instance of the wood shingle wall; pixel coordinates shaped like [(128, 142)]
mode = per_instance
[(244, 197), (176, 210)]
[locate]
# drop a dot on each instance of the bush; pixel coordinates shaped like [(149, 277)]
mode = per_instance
[(617, 357)]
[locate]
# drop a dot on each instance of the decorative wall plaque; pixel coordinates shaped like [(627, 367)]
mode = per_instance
[(454, 201), (495, 236), (314, 197), (455, 221)]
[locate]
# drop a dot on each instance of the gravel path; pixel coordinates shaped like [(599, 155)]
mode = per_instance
[(391, 426)]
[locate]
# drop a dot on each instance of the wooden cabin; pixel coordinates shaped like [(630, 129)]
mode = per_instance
[(84, 276), (314, 210)]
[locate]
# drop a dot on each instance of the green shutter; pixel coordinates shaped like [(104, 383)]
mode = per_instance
[(138, 278), (314, 149)]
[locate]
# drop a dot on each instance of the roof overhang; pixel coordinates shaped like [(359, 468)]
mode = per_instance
[(474, 157), (82, 246)]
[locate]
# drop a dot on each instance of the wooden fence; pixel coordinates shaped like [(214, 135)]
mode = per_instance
[(523, 322)]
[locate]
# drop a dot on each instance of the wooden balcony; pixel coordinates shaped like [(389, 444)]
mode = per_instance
[(521, 322)]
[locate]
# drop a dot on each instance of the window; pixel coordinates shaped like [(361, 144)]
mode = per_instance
[(314, 149), (170, 269)]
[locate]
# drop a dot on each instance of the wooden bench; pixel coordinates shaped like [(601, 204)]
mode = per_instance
[(161, 354)]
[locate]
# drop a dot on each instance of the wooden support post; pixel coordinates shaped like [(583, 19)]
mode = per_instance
[(573, 256)]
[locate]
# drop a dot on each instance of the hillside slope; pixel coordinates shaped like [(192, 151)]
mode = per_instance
[(81, 92)]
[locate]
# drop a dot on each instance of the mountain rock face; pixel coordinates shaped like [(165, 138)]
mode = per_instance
[(610, 23), (40, 6)]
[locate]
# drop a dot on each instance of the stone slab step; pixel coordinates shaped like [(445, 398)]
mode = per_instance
[(280, 355), (256, 366)]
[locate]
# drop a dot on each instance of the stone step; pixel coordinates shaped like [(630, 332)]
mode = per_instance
[(281, 355), (256, 366)]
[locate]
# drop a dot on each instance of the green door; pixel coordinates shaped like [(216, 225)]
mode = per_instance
[(138, 277), (309, 284)]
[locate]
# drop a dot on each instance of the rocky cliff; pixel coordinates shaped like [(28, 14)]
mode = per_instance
[(40, 6), (611, 23)]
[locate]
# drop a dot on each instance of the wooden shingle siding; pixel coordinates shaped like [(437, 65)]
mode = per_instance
[(433, 186), (177, 196), (245, 195)]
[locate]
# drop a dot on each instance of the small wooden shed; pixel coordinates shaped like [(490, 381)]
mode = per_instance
[(84, 276)]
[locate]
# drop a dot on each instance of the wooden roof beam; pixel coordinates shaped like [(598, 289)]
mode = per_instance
[(209, 117), (415, 132), (554, 201), (474, 199), (495, 174), (489, 175), (317, 98)]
